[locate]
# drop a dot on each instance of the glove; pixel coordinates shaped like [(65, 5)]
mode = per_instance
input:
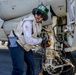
[(43, 44)]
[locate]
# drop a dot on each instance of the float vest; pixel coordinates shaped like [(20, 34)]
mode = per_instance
[(18, 32)]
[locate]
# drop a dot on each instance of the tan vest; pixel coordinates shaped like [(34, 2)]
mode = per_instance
[(18, 32)]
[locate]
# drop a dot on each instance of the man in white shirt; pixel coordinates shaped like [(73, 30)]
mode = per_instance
[(23, 37)]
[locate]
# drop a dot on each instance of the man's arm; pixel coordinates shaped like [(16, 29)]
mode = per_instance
[(27, 30)]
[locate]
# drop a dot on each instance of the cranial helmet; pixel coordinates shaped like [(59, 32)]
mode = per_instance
[(41, 10)]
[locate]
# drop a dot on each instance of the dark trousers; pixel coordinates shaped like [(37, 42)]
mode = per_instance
[(18, 56)]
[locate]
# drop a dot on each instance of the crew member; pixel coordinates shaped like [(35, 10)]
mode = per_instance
[(23, 37)]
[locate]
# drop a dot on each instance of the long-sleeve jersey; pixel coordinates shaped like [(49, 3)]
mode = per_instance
[(27, 30)]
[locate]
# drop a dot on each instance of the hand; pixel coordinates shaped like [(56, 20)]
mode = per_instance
[(43, 44)]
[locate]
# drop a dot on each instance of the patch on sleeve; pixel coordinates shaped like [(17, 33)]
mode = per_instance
[(26, 27)]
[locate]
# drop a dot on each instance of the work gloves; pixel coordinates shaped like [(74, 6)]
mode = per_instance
[(43, 44)]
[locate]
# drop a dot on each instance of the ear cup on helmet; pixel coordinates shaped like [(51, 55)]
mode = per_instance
[(46, 17)]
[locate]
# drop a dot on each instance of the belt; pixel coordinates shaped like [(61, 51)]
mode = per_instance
[(14, 34)]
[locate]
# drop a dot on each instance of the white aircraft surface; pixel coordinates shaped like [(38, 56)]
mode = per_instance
[(12, 11)]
